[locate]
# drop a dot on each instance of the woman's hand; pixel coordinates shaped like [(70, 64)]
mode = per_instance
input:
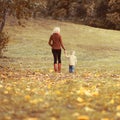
[(64, 51)]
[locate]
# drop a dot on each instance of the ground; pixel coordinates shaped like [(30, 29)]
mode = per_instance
[(29, 88)]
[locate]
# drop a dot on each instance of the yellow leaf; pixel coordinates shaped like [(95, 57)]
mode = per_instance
[(51, 70), (105, 119), (81, 91), (30, 118), (57, 92), (80, 99), (96, 93), (87, 93), (76, 114), (97, 75), (5, 100), (27, 97), (36, 101), (53, 118), (8, 118), (8, 88), (112, 102), (40, 100), (103, 112), (118, 108), (1, 86), (118, 114), (49, 86), (6, 92), (88, 109), (27, 89), (83, 117)]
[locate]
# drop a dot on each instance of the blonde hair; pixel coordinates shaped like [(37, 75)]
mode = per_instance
[(56, 30)]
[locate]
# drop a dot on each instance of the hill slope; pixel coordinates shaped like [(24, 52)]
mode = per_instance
[(95, 48), (32, 91)]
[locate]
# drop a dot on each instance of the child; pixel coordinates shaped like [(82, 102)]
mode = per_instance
[(72, 61)]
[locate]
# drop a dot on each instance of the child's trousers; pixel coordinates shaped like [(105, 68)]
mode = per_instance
[(71, 68)]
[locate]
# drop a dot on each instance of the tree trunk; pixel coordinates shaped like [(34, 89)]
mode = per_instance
[(3, 20)]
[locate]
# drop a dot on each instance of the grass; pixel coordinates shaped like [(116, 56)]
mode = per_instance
[(30, 90), (95, 48)]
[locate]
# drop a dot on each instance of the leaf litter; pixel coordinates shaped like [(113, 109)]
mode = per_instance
[(34, 95)]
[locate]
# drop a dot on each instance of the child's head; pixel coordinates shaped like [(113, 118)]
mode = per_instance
[(72, 52)]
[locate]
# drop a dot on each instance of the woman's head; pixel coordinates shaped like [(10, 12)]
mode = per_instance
[(56, 30)]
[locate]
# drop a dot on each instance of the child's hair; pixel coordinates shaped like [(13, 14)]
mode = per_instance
[(72, 52)]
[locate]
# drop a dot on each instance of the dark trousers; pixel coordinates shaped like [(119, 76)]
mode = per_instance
[(56, 55), (71, 68)]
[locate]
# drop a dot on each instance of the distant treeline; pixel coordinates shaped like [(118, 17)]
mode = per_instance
[(97, 13)]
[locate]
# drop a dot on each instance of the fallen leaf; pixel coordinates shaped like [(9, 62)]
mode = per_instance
[(118, 108), (30, 118), (118, 114), (83, 117), (87, 93), (27, 97), (76, 114), (8, 88), (81, 91), (80, 99), (8, 118), (5, 92), (57, 92), (1, 86), (88, 109), (105, 119), (51, 70), (112, 101), (96, 93), (3, 76), (53, 118), (36, 101)]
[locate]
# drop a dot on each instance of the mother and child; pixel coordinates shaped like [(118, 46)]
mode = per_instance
[(55, 41)]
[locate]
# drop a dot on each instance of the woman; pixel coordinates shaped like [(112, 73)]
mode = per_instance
[(55, 42)]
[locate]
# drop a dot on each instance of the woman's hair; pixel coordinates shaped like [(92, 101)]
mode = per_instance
[(56, 30)]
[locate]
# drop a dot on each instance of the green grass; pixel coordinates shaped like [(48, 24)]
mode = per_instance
[(30, 90), (95, 48)]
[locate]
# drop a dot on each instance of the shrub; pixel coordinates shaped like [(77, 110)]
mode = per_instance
[(4, 39)]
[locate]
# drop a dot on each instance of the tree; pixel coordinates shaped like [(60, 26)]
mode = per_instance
[(113, 15), (20, 9)]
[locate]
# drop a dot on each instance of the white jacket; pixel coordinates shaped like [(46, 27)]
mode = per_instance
[(72, 59)]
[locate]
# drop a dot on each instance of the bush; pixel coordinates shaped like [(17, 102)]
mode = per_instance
[(4, 39)]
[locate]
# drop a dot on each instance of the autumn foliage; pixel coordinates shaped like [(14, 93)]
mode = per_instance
[(33, 95), (97, 13), (4, 39)]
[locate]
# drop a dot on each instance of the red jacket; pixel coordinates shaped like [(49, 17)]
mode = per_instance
[(55, 41)]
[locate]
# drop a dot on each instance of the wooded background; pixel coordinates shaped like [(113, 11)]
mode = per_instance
[(96, 13)]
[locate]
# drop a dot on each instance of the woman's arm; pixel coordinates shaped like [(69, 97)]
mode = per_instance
[(66, 54), (61, 43), (50, 41)]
